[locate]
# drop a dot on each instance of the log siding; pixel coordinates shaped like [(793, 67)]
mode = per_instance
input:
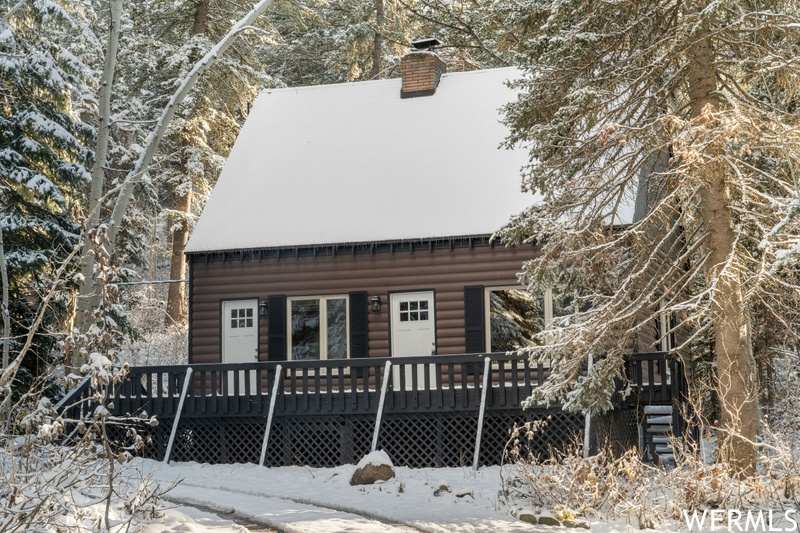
[(379, 270)]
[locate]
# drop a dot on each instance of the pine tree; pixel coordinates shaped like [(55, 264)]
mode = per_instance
[(44, 157), (479, 34), (171, 37), (686, 108), (320, 42)]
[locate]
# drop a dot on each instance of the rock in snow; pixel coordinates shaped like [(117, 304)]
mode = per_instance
[(375, 466), (441, 487)]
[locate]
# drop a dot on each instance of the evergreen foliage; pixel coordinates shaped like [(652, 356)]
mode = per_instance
[(679, 113), (319, 42), (480, 34), (44, 157)]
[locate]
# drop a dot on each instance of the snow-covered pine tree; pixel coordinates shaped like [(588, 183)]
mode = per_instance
[(475, 35), (479, 34), (319, 42), (692, 105), (44, 156), (163, 42)]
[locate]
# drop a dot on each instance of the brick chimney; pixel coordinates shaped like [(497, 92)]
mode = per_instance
[(421, 70)]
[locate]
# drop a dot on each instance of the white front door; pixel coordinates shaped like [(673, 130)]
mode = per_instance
[(240, 337), (413, 331)]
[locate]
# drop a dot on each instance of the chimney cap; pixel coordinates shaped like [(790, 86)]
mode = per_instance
[(425, 44)]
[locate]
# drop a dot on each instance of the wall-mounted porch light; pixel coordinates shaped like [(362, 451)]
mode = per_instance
[(376, 304), (263, 308)]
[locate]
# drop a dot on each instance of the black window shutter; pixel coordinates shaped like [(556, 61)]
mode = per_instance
[(475, 338), (276, 326), (358, 324)]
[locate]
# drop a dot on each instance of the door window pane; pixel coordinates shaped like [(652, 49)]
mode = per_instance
[(305, 329), (515, 316), (337, 328)]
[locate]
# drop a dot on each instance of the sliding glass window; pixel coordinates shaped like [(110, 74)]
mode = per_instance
[(318, 327)]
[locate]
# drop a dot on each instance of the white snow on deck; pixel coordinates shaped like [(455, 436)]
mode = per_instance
[(354, 162)]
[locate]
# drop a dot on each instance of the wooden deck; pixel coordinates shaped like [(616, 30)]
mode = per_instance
[(325, 412)]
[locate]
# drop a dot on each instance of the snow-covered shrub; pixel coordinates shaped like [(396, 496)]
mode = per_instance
[(82, 481), (570, 485), (697, 484), (611, 486)]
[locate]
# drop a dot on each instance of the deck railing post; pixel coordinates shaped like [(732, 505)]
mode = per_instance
[(178, 415), (384, 387), (275, 385), (73, 405), (486, 374)]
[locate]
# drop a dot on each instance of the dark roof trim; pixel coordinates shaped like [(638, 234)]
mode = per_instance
[(352, 249)]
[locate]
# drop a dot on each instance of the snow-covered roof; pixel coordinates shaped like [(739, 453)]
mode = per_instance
[(354, 162)]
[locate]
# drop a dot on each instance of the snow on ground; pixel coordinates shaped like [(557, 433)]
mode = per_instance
[(190, 520), (321, 500)]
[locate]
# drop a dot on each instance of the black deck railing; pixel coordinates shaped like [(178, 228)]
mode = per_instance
[(430, 383), (337, 386), (656, 378), (336, 401)]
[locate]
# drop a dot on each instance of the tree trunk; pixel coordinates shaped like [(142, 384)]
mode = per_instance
[(88, 299), (377, 43), (200, 18), (176, 308), (4, 309), (176, 295), (736, 369)]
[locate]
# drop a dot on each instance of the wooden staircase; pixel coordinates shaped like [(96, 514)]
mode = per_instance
[(656, 434)]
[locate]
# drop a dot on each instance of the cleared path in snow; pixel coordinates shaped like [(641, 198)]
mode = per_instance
[(282, 514)]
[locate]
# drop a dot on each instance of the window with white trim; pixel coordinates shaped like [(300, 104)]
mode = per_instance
[(318, 327), (514, 315)]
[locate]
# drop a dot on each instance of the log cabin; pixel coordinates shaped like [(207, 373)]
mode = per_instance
[(345, 291), (355, 220)]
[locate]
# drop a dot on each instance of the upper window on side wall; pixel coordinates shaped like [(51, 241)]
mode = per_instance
[(514, 316), (664, 326), (318, 328)]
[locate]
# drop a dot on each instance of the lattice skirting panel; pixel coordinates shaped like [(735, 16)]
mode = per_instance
[(155, 439), (320, 440), (411, 439), (429, 439), (617, 430), (556, 429), (219, 440)]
